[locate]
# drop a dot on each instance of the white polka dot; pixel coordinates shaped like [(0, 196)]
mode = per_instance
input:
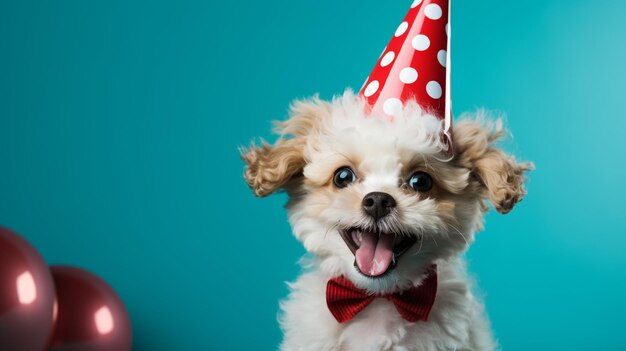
[(433, 11), (371, 89), (415, 3), (420, 42), (442, 56), (408, 75), (447, 29), (387, 59), (402, 28), (392, 106), (433, 89)]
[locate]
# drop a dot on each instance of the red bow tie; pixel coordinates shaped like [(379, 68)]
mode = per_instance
[(345, 300)]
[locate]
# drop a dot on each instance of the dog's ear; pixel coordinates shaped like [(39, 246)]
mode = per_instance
[(499, 175), (270, 167)]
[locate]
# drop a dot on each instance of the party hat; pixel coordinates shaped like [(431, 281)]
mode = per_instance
[(415, 65)]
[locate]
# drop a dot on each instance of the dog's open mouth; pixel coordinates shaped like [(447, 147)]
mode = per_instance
[(376, 252)]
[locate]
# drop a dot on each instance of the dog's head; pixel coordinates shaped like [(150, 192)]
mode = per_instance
[(380, 201)]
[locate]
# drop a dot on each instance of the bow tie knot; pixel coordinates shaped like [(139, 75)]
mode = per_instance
[(345, 300)]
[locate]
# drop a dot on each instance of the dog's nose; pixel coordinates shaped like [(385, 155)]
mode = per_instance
[(378, 204)]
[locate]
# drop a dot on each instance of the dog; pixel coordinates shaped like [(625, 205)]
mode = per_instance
[(385, 206)]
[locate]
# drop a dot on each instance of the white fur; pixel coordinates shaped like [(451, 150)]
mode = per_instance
[(382, 148)]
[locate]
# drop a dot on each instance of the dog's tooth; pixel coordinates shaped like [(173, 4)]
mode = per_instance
[(357, 237)]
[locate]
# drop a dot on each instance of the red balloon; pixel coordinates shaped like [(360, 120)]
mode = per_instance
[(90, 316), (26, 295)]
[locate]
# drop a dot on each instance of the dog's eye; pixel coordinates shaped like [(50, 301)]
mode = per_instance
[(421, 181), (344, 176)]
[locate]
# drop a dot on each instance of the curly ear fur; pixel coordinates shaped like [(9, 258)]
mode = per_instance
[(270, 167), (500, 175)]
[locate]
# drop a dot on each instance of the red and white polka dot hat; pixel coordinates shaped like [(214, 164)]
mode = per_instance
[(415, 65)]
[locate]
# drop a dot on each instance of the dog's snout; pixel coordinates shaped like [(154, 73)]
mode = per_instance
[(378, 205)]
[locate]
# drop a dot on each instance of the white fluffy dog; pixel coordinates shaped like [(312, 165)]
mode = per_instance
[(381, 203)]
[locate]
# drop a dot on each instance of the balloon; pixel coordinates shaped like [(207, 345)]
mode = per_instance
[(90, 317), (26, 295)]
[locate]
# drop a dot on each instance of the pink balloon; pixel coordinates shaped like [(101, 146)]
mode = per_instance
[(91, 316), (26, 295)]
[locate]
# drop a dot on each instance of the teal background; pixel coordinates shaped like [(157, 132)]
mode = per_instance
[(120, 122)]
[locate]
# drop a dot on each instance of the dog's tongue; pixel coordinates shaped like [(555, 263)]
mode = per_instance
[(374, 255)]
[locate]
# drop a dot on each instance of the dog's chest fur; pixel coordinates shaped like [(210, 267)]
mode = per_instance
[(456, 321)]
